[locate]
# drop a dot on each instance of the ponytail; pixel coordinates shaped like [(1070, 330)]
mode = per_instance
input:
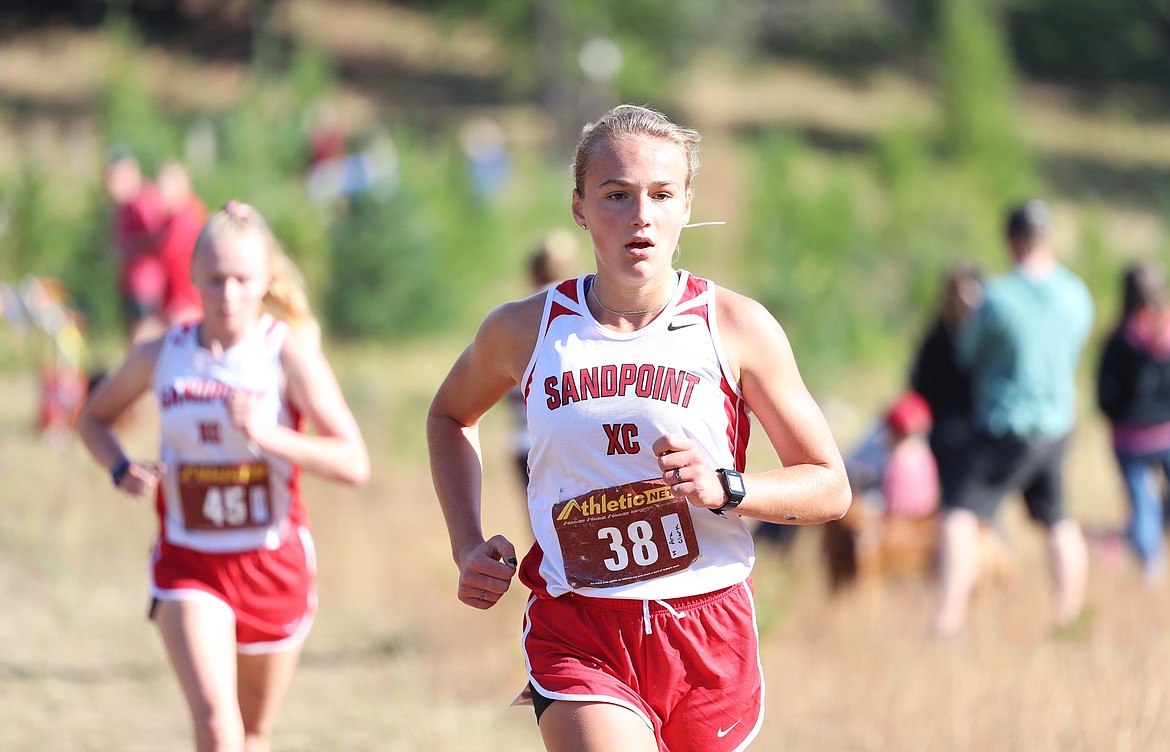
[(287, 298)]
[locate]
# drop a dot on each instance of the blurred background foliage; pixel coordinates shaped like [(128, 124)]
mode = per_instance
[(844, 235)]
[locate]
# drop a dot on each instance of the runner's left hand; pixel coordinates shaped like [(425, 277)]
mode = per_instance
[(686, 472)]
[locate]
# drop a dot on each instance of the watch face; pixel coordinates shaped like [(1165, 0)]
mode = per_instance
[(735, 485)]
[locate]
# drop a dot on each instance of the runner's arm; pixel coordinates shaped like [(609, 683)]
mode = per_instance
[(112, 397), (492, 364), (336, 450), (812, 485)]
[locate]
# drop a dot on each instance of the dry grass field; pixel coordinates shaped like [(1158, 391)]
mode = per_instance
[(396, 663)]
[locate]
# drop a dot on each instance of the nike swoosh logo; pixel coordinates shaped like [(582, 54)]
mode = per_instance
[(724, 732), (673, 327)]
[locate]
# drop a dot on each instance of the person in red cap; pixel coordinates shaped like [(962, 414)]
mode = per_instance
[(891, 524), (894, 471), (910, 481)]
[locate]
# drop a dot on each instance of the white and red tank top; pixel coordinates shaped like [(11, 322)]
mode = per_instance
[(596, 401), (219, 492)]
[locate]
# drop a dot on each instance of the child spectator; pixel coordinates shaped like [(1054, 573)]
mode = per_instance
[(892, 523), (894, 471)]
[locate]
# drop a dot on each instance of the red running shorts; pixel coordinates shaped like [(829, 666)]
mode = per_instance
[(689, 667), (271, 592)]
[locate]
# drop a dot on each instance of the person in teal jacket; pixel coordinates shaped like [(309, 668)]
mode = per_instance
[(1021, 345)]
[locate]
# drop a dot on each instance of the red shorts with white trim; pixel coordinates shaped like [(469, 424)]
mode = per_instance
[(272, 593), (689, 668)]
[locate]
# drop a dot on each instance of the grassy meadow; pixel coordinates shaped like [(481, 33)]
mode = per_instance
[(396, 663), (851, 216)]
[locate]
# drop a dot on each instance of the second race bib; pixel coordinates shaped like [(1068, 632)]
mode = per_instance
[(225, 497)]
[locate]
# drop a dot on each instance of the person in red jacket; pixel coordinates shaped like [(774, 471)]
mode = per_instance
[(135, 231), (185, 215)]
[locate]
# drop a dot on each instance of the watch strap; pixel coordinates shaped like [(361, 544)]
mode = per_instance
[(733, 497)]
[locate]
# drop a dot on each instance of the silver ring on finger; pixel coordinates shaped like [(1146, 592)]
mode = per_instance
[(482, 593), (678, 475)]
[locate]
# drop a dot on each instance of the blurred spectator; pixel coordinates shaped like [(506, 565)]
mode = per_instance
[(1133, 390), (553, 260), (936, 374), (891, 523), (893, 470), (487, 156), (374, 170), (327, 140), (135, 230), (909, 483), (42, 304), (185, 215), (1021, 345)]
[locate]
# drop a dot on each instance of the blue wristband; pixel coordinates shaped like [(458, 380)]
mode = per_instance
[(119, 471)]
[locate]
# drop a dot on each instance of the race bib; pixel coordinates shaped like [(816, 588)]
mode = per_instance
[(225, 497), (628, 533)]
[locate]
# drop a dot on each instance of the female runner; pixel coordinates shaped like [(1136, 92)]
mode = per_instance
[(233, 571), (638, 379)]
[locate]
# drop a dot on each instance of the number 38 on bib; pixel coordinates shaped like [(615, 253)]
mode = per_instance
[(628, 533)]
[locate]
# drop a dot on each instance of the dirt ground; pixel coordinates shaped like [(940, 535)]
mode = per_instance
[(396, 663)]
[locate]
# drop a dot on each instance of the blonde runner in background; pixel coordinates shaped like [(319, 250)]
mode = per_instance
[(233, 570)]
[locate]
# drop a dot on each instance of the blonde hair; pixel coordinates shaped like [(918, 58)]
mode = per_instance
[(287, 297), (626, 121)]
